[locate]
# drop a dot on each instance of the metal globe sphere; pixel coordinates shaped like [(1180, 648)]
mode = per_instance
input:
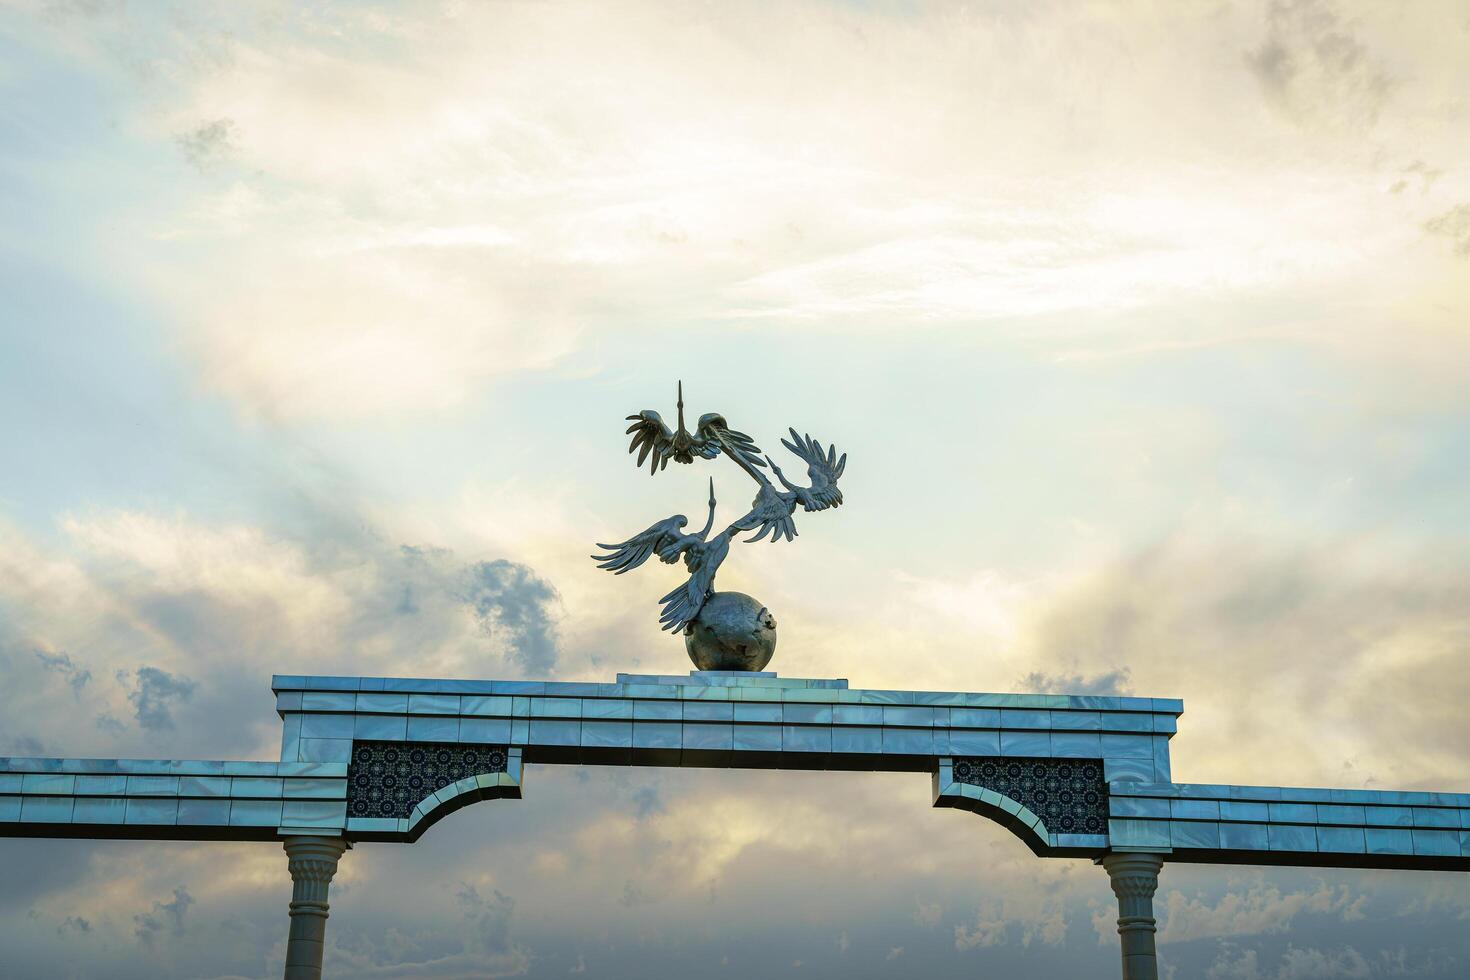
[(731, 632)]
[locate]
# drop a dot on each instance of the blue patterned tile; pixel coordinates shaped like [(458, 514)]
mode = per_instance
[(1138, 806), (1291, 837), (101, 810), (1244, 837), (1341, 840), (1194, 834), (857, 739), (758, 738), (806, 738), (969, 742), (1194, 809), (908, 741), (607, 734), (1436, 843), (161, 811), (1388, 816), (710, 711), (708, 735), (1126, 833), (52, 784), (431, 728), (1245, 811), (657, 734), (383, 703), (1033, 744), (1386, 841), (112, 785), (1435, 817), (203, 813)]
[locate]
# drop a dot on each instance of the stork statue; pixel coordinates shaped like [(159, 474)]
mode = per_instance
[(722, 630)]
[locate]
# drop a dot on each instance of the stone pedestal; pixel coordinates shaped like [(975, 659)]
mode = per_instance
[(313, 863), (1135, 878)]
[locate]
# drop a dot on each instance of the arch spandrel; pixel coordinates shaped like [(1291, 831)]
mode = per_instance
[(398, 790), (1058, 807)]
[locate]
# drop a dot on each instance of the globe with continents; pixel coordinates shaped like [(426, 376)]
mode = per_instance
[(731, 632)]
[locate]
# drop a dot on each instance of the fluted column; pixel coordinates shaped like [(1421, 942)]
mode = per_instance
[(1135, 878), (313, 863)]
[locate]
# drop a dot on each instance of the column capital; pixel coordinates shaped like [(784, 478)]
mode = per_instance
[(312, 862), (1134, 874)]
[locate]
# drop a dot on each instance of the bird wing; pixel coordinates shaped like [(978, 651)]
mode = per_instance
[(650, 438), (663, 537), (713, 434), (823, 468), (684, 603), (771, 513)]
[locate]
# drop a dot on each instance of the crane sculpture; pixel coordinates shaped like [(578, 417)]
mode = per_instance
[(722, 630)]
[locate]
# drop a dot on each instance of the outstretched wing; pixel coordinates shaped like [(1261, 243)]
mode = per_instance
[(823, 468), (684, 603), (713, 434), (650, 438), (771, 513), (664, 537)]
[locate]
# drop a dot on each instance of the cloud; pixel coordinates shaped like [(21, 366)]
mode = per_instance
[(927, 916), (1296, 963), (164, 916), (1113, 682), (1233, 964), (1260, 908), (1039, 917), (1312, 66), (154, 692), (484, 215), (75, 922), (482, 943), (206, 143), (213, 610), (1453, 224), (76, 676), (989, 929), (511, 600), (1304, 964), (1257, 607)]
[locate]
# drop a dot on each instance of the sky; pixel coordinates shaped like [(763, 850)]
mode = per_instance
[(1146, 328)]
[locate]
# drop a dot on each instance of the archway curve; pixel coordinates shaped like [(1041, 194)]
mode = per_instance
[(456, 796)]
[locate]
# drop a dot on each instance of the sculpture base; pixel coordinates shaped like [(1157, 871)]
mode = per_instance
[(731, 632)]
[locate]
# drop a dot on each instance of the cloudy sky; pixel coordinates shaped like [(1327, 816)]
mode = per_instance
[(1144, 325)]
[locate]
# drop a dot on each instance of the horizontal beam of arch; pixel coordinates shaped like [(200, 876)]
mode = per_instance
[(737, 720)]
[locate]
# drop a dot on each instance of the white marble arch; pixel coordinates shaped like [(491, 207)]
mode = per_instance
[(308, 798)]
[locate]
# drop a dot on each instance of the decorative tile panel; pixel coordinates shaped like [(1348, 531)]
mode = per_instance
[(1069, 795), (387, 779)]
